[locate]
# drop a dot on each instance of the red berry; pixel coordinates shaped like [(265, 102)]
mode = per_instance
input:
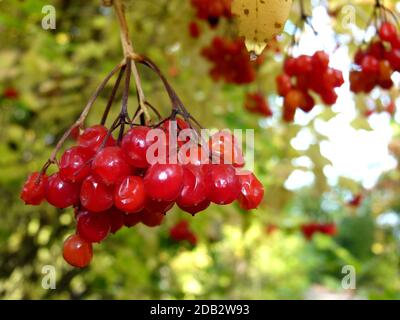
[(10, 93), (194, 30), (309, 103), (93, 138), (110, 165), (61, 194), (224, 184), (370, 65), (135, 145), (151, 219), (252, 191), (133, 219), (116, 219), (225, 148), (393, 57), (303, 64), (34, 190), (160, 206), (329, 97), (74, 164), (163, 182), (130, 194), (328, 229), (93, 227), (77, 252), (256, 103), (196, 209), (309, 229), (290, 67), (359, 56), (96, 196), (194, 190), (284, 84), (388, 32), (320, 61)]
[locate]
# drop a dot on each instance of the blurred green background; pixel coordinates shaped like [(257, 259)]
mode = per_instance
[(240, 255)]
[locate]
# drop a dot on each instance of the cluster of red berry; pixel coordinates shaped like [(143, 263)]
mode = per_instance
[(212, 10), (376, 64), (256, 103), (309, 229), (113, 183), (231, 61), (181, 232), (310, 73)]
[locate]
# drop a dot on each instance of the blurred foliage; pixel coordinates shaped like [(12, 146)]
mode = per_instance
[(56, 71)]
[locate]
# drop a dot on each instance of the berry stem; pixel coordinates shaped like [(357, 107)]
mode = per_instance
[(129, 53)]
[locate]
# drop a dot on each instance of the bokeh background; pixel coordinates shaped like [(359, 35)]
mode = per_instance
[(335, 165)]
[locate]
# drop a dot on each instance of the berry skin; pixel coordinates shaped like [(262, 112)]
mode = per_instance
[(151, 219), (130, 194), (194, 30), (135, 145), (163, 182), (10, 93), (388, 32), (224, 184), (225, 148), (256, 103), (370, 65), (160, 206), (77, 252), (61, 194), (303, 64), (294, 99), (93, 138), (252, 192), (34, 190), (290, 67), (194, 190), (393, 57), (116, 219), (284, 84), (93, 227), (96, 196), (196, 209), (110, 165), (131, 220), (74, 164), (320, 61)]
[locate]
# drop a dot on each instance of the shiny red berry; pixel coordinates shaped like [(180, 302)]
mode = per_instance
[(61, 194), (195, 189), (96, 196), (93, 226), (320, 61), (77, 252), (93, 138), (135, 144), (163, 182), (303, 64), (34, 190), (74, 164), (196, 209), (110, 165), (252, 191), (130, 195), (370, 65), (160, 206), (151, 219), (224, 184), (388, 32), (131, 220)]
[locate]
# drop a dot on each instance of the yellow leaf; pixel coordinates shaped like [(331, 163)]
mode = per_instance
[(260, 20)]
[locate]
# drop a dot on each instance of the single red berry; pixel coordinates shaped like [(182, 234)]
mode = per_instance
[(163, 182), (370, 65), (130, 195), (284, 84), (376, 49), (160, 206), (196, 209), (34, 190), (388, 32), (252, 191), (328, 229), (290, 67), (303, 64), (93, 226), (195, 189), (74, 164), (329, 97), (225, 149), (309, 103), (131, 220), (224, 184), (93, 138), (359, 56), (309, 229), (116, 219), (194, 30), (135, 144), (10, 93), (110, 165), (393, 57), (61, 194), (320, 61), (96, 196), (151, 219), (77, 252)]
